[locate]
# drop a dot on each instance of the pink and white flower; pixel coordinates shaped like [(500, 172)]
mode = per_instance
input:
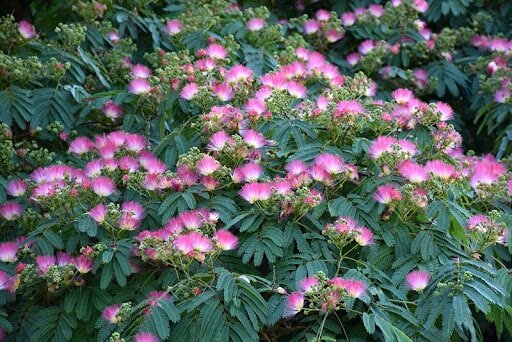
[(225, 240), (294, 304), (26, 29), (417, 280)]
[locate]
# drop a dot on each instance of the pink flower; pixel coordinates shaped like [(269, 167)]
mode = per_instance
[(110, 313), (364, 236), (140, 71), (173, 27), (81, 145), (135, 142), (296, 167), (445, 110), (133, 209), (223, 91), (6, 281), (207, 165), (402, 96), (44, 262), (11, 210), (114, 37), (350, 107), (83, 264), (355, 288), (387, 193), (476, 222), (252, 192), (282, 187), (420, 5), (413, 172), (225, 240), (353, 58), (112, 110), (192, 242), (254, 139), (417, 280), (26, 29), (307, 284), (333, 35), (216, 51), (486, 172), (151, 163), (191, 219), (98, 213), (502, 95), (8, 251), (103, 186), (322, 15), (331, 163), (64, 259), (294, 304), (255, 24), (311, 26), (189, 91), (17, 187), (348, 19), (238, 73), (380, 146), (128, 164), (145, 337), (376, 10), (441, 169), (366, 46), (139, 86), (296, 90), (218, 140), (248, 173), (127, 222)]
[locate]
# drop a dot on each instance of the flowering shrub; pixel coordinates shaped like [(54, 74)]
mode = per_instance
[(204, 171)]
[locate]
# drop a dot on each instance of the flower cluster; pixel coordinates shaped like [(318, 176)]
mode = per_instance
[(190, 236), (345, 230), (321, 294)]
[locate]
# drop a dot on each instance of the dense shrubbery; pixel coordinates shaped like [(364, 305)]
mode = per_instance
[(211, 171)]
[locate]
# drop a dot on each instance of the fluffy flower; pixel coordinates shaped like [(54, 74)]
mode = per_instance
[(225, 240), (252, 192), (387, 193), (81, 145), (307, 284), (207, 165), (173, 27), (247, 173), (402, 96), (98, 213), (294, 304), (26, 29), (103, 186), (145, 337), (413, 172), (10, 210), (110, 313), (439, 168), (140, 71), (417, 280), (189, 91), (8, 251), (17, 187), (255, 24), (350, 107), (112, 110), (139, 86)]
